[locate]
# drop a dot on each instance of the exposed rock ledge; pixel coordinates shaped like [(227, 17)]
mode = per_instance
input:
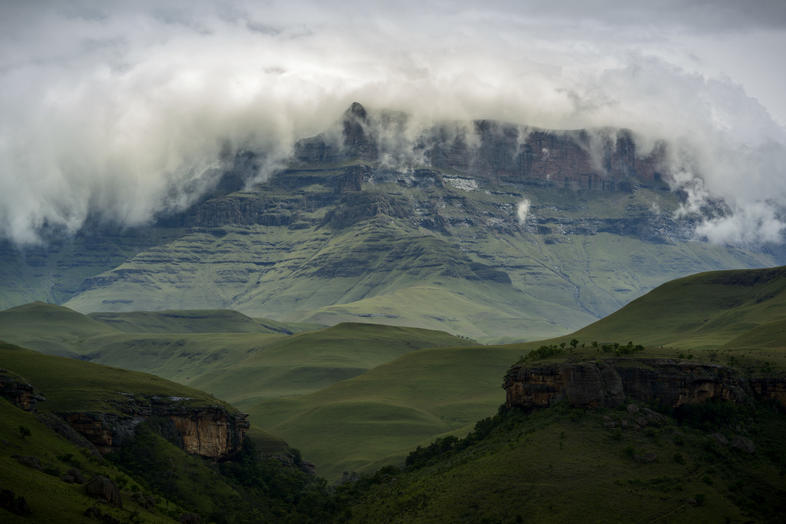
[(17, 391), (608, 383), (209, 431)]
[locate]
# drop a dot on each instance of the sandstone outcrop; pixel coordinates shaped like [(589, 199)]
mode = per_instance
[(17, 391), (208, 431), (607, 383), (100, 487)]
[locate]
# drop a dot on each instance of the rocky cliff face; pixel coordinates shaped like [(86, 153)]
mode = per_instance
[(597, 160), (17, 391), (209, 431), (608, 383)]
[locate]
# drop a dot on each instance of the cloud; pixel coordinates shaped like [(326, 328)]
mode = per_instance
[(124, 111), (522, 210)]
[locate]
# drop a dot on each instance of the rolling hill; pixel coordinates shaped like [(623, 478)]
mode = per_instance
[(224, 352), (378, 391), (381, 414)]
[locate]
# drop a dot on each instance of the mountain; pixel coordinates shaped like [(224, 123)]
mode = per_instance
[(494, 231)]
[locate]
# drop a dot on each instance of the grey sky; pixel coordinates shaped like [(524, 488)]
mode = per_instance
[(120, 107)]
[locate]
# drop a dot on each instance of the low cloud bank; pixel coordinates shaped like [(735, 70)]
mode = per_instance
[(124, 113)]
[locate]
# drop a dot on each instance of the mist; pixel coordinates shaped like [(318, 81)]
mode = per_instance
[(126, 112)]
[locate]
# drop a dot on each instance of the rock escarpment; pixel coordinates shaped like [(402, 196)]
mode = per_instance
[(208, 431), (607, 383), (588, 160), (17, 391)]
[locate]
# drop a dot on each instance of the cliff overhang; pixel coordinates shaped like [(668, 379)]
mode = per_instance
[(668, 383)]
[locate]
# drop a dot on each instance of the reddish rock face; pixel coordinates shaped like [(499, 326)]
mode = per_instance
[(770, 388), (210, 431), (92, 428), (18, 392), (659, 381)]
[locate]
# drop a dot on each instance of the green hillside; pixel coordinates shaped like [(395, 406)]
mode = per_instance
[(71, 384), (189, 321), (569, 465), (378, 391), (252, 362), (307, 362), (379, 415), (43, 475), (49, 328), (47, 497), (728, 309)]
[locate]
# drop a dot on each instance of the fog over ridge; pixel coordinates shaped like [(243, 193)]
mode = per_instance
[(124, 112)]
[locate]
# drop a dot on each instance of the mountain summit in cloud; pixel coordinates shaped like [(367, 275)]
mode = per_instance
[(122, 113)]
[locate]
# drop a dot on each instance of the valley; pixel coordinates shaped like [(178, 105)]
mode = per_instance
[(356, 310)]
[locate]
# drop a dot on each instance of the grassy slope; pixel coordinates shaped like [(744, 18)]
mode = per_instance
[(232, 365), (260, 489), (707, 310), (310, 361), (54, 270), (189, 321), (381, 414), (51, 499), (378, 416), (388, 410), (71, 384), (562, 465), (49, 328)]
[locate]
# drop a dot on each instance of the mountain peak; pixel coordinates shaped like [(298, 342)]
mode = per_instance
[(357, 110)]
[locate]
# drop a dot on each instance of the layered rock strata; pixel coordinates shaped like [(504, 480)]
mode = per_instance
[(209, 431), (607, 383), (18, 392)]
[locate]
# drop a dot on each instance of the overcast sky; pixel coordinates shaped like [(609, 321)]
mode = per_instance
[(120, 108)]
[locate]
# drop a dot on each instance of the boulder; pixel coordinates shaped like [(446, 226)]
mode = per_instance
[(102, 488)]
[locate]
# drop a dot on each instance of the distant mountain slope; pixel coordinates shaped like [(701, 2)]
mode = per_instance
[(49, 328), (731, 309), (310, 361), (494, 231), (253, 362), (189, 321)]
